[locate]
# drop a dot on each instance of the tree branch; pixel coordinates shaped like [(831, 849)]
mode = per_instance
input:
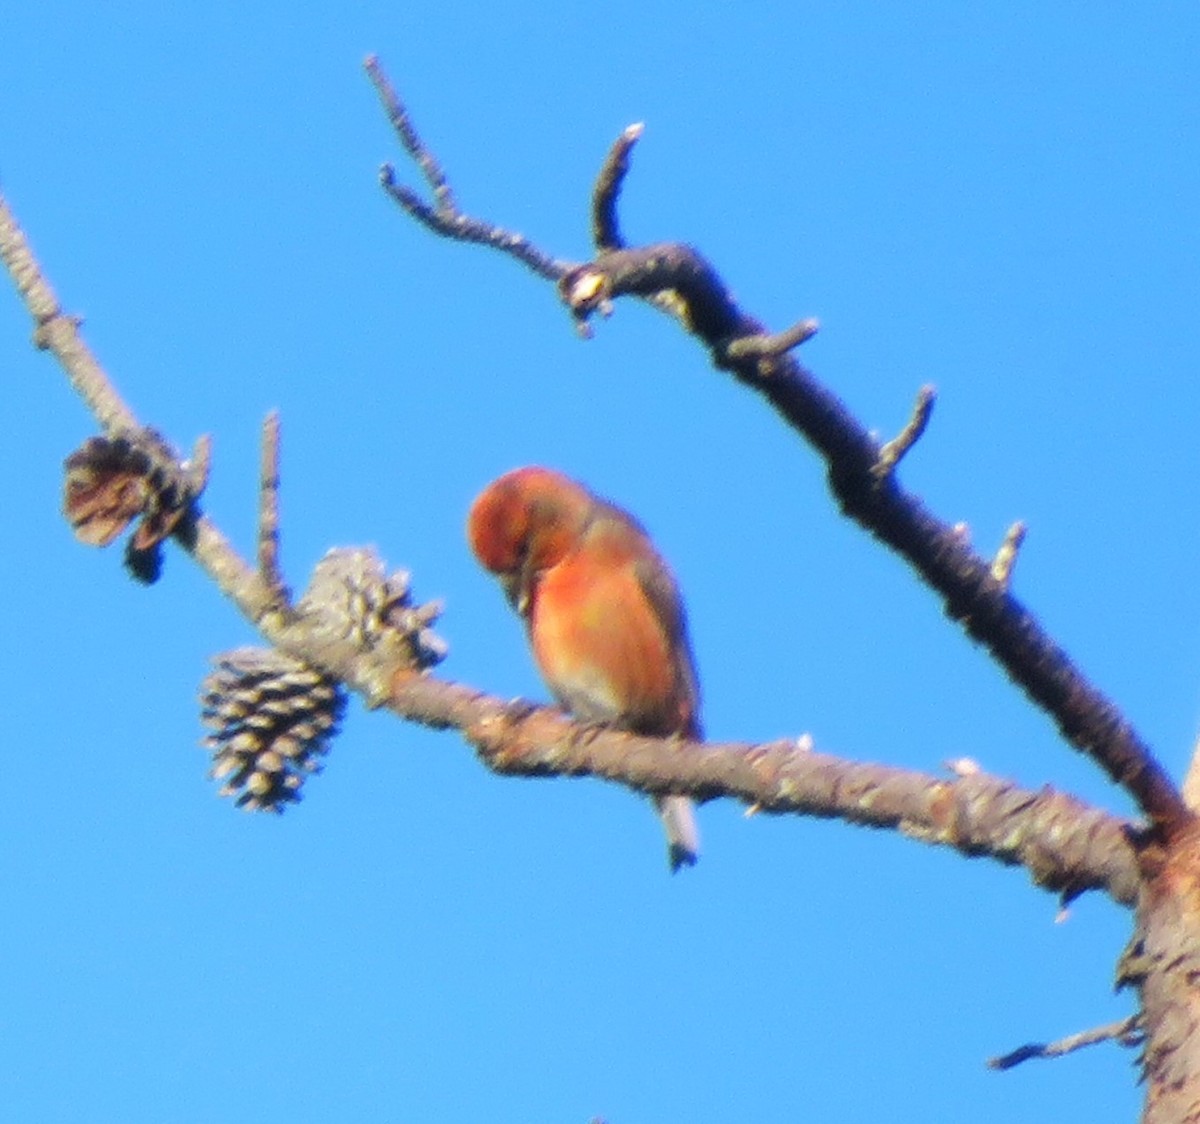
[(268, 511), (606, 229), (676, 278), (1066, 846), (1125, 1031), (444, 217)]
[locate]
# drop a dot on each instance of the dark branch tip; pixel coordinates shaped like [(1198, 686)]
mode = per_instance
[(1128, 1032)]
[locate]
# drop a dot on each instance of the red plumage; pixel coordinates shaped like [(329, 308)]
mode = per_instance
[(602, 610)]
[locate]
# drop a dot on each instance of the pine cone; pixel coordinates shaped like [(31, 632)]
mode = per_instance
[(351, 596), (113, 480), (272, 719)]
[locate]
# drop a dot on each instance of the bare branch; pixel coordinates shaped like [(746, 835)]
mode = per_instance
[(678, 279), (268, 511), (444, 217), (893, 452), (1066, 846), (1128, 1032), (1006, 556), (198, 464), (58, 333), (397, 114), (606, 230)]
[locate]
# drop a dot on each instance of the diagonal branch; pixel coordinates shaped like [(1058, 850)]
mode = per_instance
[(676, 278), (1066, 846), (444, 217)]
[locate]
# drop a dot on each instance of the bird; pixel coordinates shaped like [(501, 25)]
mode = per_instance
[(603, 614)]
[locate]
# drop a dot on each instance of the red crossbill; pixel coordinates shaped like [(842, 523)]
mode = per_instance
[(602, 610)]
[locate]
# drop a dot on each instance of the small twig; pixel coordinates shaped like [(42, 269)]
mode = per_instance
[(1006, 556), (463, 228), (397, 113), (764, 347), (197, 465), (268, 510), (606, 230), (1128, 1032), (444, 217), (893, 452)]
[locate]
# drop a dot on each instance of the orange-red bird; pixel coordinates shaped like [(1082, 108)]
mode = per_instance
[(603, 613)]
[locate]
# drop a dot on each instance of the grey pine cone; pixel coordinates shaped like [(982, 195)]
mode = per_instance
[(358, 602)]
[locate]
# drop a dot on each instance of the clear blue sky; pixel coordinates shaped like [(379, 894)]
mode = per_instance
[(1000, 199)]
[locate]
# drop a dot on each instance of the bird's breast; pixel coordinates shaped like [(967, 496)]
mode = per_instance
[(602, 649)]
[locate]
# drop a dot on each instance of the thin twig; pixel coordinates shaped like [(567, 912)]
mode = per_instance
[(1128, 1032), (1006, 556), (444, 217), (606, 229), (397, 114), (893, 452), (463, 228), (764, 347), (268, 510), (198, 464)]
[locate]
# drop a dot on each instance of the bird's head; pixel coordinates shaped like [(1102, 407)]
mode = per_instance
[(524, 523)]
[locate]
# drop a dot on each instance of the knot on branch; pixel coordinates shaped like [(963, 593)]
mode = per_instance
[(585, 290), (272, 719), (44, 322), (110, 481)]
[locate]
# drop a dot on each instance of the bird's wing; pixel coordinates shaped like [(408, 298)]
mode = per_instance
[(662, 593)]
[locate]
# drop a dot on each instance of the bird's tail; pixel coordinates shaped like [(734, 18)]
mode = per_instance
[(678, 816)]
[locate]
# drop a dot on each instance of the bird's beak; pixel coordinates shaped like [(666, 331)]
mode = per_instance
[(516, 589)]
